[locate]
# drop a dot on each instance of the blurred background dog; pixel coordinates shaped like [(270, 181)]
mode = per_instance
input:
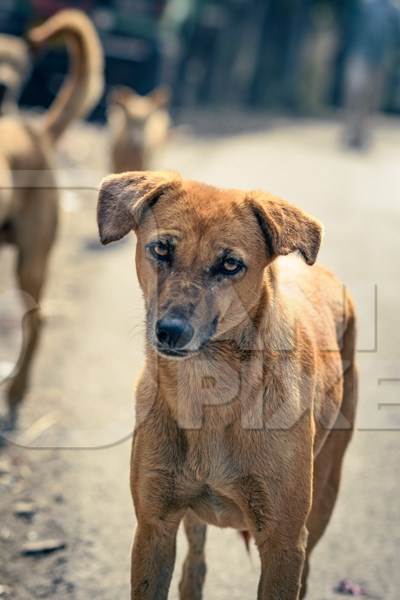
[(29, 201), (138, 126)]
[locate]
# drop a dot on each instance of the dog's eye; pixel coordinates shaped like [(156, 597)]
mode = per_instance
[(160, 250), (231, 266)]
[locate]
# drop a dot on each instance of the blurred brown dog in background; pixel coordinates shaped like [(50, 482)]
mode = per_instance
[(248, 397), (14, 65), (28, 192), (138, 126)]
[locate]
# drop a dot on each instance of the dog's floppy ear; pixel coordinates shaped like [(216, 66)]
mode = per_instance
[(120, 95), (286, 228), (123, 200), (161, 96)]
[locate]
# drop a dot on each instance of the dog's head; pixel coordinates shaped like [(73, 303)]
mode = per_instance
[(201, 251), (135, 109)]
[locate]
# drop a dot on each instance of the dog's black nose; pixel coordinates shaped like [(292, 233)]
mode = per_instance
[(174, 332)]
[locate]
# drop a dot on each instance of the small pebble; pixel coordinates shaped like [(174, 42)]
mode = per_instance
[(42, 546), (4, 468), (24, 509), (349, 588), (5, 591), (5, 534)]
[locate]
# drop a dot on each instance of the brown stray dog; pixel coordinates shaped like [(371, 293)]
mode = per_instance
[(138, 127), (247, 400), (28, 190)]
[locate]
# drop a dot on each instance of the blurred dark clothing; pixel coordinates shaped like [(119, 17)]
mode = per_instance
[(221, 39), (284, 25), (207, 48), (344, 12), (364, 84), (373, 44), (375, 30), (46, 8), (234, 52)]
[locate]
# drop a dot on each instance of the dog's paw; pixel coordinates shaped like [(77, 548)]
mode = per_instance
[(8, 424)]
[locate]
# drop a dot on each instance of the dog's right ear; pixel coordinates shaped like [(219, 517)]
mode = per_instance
[(161, 96), (123, 200), (121, 94)]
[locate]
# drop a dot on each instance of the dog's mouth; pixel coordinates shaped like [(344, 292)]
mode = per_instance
[(173, 353)]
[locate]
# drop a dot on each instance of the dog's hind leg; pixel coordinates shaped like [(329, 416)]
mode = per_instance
[(326, 486), (33, 254), (328, 464), (194, 568), (30, 279)]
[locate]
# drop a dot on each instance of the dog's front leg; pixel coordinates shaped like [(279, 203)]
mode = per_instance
[(277, 521), (153, 558), (159, 509), (276, 505), (282, 561)]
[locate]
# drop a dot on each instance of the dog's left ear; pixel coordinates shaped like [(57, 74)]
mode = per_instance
[(123, 200), (161, 96), (119, 96), (285, 227)]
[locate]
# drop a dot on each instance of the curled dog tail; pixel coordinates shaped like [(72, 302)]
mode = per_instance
[(84, 83)]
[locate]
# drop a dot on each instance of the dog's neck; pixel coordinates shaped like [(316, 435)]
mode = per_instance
[(215, 383)]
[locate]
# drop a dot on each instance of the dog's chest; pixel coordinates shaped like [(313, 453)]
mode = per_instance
[(209, 471), (208, 457), (218, 509)]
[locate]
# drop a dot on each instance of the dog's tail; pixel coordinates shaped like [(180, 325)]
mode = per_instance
[(85, 81), (246, 537)]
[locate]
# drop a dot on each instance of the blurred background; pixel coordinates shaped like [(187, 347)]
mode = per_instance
[(292, 56), (299, 97)]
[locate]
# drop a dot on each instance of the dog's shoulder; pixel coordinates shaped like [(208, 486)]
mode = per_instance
[(298, 280), (314, 295)]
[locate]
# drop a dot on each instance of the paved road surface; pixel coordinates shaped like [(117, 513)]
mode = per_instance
[(79, 413)]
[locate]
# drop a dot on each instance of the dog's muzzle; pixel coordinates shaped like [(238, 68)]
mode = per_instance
[(173, 334)]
